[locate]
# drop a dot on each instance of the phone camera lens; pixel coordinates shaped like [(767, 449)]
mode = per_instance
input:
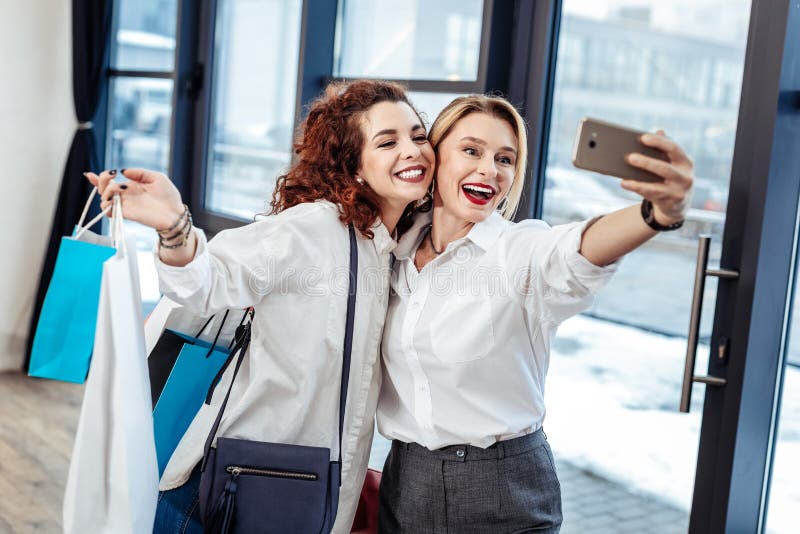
[(592, 143)]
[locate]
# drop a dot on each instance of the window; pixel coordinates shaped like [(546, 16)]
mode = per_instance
[(140, 105), (409, 40), (144, 35), (253, 103)]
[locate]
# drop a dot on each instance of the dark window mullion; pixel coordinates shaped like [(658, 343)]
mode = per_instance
[(531, 86), (195, 139), (124, 73), (483, 51), (428, 86), (190, 88), (317, 41)]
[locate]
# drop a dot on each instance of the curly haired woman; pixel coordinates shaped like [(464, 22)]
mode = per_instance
[(362, 156)]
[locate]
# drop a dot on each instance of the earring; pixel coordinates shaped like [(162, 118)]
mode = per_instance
[(360, 180)]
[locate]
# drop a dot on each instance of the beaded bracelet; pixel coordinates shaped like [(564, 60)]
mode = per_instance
[(187, 220), (174, 226), (183, 234)]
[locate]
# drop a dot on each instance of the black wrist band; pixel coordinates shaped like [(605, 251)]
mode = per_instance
[(650, 218)]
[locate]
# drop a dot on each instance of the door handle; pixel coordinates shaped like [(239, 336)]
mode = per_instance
[(701, 271)]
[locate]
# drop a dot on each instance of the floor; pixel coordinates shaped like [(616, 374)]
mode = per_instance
[(37, 425)]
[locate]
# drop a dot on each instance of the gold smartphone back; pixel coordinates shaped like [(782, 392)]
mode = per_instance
[(601, 147)]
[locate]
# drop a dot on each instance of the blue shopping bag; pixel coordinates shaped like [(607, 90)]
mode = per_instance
[(183, 369), (64, 336)]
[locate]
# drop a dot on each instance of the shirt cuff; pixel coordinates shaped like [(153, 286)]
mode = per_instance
[(181, 282), (592, 276)]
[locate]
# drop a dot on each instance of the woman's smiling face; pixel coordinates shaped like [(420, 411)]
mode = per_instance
[(475, 166), (397, 160)]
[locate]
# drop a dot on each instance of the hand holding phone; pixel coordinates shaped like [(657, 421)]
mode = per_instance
[(602, 147)]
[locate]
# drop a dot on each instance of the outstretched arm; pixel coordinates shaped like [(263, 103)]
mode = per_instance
[(151, 199), (618, 233)]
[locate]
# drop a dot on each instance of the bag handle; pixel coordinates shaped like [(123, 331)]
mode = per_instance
[(219, 331), (85, 211), (242, 342), (86, 207), (117, 227), (222, 369)]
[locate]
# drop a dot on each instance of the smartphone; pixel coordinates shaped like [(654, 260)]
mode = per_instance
[(601, 147)]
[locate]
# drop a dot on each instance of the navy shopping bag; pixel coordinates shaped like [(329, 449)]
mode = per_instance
[(183, 370), (64, 336)]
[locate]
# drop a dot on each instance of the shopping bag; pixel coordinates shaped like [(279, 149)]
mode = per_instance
[(62, 342), (182, 370), (167, 329), (366, 519), (112, 485)]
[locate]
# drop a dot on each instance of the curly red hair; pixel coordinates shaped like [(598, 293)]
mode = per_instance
[(328, 149)]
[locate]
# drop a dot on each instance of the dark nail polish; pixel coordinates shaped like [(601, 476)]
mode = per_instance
[(112, 172), (122, 171), (123, 186)]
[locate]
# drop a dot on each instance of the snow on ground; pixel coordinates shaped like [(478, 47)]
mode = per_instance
[(612, 398)]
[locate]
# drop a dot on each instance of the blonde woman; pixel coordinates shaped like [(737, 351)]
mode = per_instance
[(475, 304)]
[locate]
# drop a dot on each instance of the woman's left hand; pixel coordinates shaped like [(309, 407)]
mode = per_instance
[(670, 198)]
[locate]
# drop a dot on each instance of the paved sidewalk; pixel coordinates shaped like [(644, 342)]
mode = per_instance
[(594, 505)]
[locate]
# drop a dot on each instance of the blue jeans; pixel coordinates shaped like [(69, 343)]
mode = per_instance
[(179, 509)]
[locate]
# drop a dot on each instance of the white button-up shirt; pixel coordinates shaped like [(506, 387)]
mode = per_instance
[(467, 340), (293, 267)]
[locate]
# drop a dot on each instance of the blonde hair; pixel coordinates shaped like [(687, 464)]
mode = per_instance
[(497, 107)]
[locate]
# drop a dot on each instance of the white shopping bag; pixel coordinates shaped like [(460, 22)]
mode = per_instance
[(112, 485)]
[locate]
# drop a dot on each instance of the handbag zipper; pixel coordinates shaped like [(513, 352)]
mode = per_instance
[(237, 470)]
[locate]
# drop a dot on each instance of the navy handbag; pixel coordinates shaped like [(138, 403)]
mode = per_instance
[(256, 487)]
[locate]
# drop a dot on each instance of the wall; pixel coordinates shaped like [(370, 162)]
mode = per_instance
[(36, 126)]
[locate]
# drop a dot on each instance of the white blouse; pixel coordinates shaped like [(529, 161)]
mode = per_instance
[(467, 340), (293, 267)]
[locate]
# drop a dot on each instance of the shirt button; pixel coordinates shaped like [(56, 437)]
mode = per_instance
[(460, 453)]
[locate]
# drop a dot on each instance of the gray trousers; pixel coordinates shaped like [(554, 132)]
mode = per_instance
[(509, 487)]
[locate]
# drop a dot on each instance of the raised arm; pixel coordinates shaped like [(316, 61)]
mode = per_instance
[(620, 232)]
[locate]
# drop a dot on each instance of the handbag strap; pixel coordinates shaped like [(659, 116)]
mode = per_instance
[(348, 333), (242, 342), (232, 352), (219, 331)]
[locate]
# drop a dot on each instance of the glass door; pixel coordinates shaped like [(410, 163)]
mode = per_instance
[(626, 455), (784, 491)]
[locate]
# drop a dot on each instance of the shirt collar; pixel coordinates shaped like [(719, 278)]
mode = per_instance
[(484, 234), (384, 242), (409, 241)]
